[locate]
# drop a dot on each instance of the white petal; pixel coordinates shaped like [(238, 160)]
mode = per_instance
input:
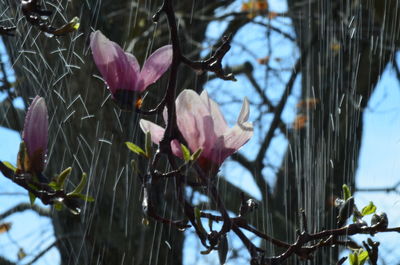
[(195, 121), (244, 112), (220, 124), (237, 136), (157, 132)]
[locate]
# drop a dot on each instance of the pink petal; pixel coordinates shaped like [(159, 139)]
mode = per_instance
[(157, 132), (133, 63), (220, 125), (155, 66), (176, 148), (231, 142), (220, 152), (35, 134), (236, 137), (195, 122), (132, 73), (165, 115), (118, 70)]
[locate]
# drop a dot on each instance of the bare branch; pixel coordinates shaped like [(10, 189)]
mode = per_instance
[(12, 194), (9, 31), (259, 90), (11, 117), (279, 108), (396, 69), (341, 261), (278, 112), (4, 261), (393, 188), (284, 34), (26, 206), (46, 193), (41, 253)]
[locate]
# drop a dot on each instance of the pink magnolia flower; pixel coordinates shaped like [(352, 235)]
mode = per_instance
[(121, 70), (202, 124), (35, 134)]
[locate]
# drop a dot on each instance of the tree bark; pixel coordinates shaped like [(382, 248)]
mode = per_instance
[(340, 72)]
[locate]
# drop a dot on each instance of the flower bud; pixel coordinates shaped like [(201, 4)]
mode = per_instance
[(35, 134)]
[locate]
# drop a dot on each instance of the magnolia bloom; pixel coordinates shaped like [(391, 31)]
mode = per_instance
[(202, 125), (35, 134), (121, 70)]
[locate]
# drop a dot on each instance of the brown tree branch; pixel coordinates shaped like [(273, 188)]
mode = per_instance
[(43, 191), (396, 69), (4, 261), (10, 116), (393, 188), (26, 206), (43, 252), (279, 108)]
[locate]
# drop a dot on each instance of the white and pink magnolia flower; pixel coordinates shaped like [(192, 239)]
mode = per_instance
[(203, 126), (35, 134), (121, 70)]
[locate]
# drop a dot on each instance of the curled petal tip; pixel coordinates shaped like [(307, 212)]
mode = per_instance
[(244, 112), (157, 132)]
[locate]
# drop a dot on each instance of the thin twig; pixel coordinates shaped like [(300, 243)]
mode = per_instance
[(41, 253), (393, 188), (43, 191), (26, 206)]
